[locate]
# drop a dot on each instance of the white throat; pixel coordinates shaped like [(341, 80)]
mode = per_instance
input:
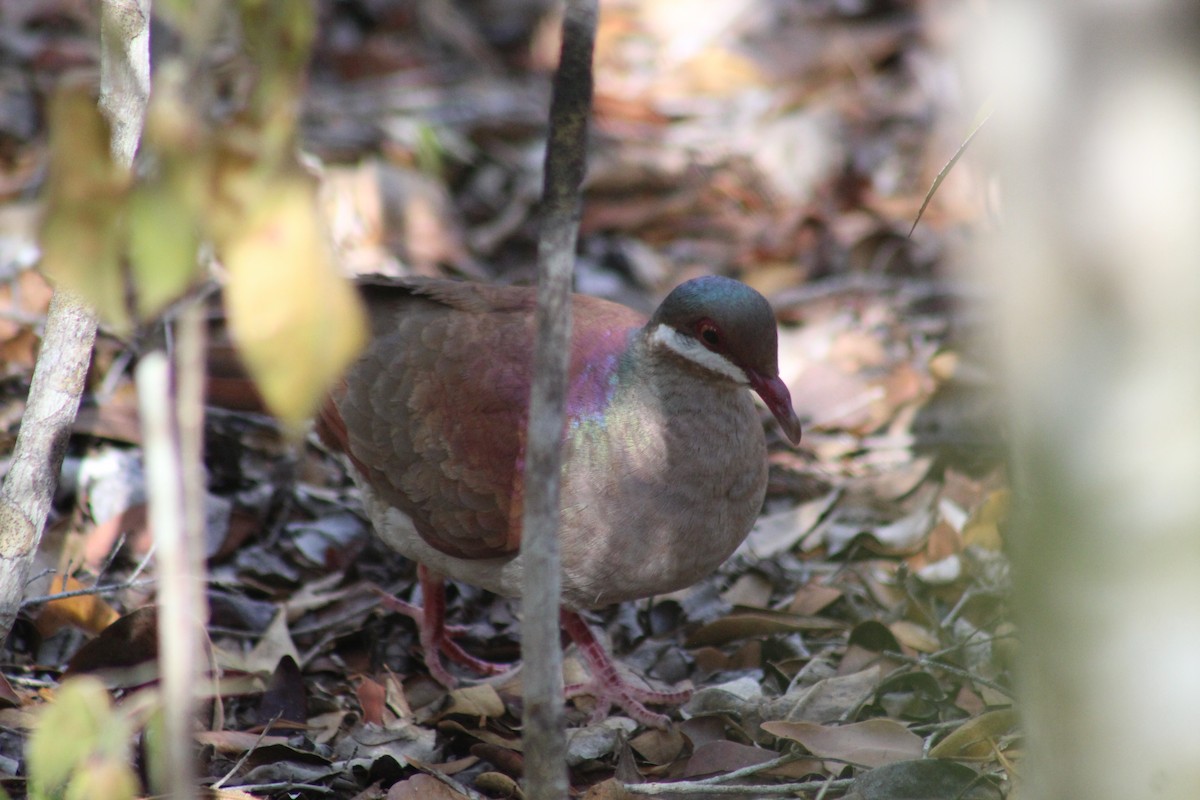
[(697, 353)]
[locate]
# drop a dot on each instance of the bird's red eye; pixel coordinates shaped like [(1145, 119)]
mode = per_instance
[(707, 332)]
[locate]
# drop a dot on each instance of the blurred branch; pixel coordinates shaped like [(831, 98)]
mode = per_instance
[(566, 157), (58, 380), (61, 369), (125, 72), (172, 426)]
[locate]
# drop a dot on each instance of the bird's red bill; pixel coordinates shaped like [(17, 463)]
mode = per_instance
[(775, 394)]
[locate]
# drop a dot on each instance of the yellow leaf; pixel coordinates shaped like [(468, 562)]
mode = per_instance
[(973, 739), (82, 233), (88, 612), (296, 321), (983, 529)]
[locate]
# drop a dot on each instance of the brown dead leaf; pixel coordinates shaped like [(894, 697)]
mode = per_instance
[(28, 296), (748, 656), (969, 701), (499, 785), (777, 533), (725, 756), (89, 612), (504, 759), (396, 697), (234, 743), (423, 787), (871, 743), (18, 353), (127, 642), (753, 623), (812, 598), (659, 747), (19, 719), (914, 637), (8, 698), (751, 589), (373, 699), (480, 700), (943, 542)]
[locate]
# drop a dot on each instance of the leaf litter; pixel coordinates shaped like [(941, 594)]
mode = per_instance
[(864, 622)]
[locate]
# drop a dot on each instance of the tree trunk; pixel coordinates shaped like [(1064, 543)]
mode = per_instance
[(1099, 277)]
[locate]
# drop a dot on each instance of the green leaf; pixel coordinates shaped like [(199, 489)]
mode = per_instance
[(68, 731), (83, 230), (163, 240)]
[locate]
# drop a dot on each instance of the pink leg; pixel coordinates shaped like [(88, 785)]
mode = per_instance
[(435, 635), (608, 687)]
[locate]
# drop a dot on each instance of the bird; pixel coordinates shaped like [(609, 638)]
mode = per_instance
[(664, 454)]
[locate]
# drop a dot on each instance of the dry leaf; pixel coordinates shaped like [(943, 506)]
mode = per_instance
[(872, 743), (234, 743), (744, 624), (983, 529), (725, 756), (975, 737), (812, 598), (480, 700), (88, 612), (371, 697)]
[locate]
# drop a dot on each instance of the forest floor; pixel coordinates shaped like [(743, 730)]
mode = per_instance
[(857, 644)]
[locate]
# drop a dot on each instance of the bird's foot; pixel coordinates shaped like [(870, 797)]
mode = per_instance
[(608, 687), (436, 636), (629, 698)]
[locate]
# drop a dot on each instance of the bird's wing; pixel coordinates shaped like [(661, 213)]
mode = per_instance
[(434, 412)]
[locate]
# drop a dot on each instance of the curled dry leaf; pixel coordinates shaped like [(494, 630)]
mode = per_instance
[(754, 623)]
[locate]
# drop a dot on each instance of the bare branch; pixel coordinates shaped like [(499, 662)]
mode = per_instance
[(566, 155)]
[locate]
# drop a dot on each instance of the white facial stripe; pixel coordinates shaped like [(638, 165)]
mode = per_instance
[(693, 351)]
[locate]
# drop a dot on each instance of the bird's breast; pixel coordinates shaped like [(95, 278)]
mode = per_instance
[(658, 492)]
